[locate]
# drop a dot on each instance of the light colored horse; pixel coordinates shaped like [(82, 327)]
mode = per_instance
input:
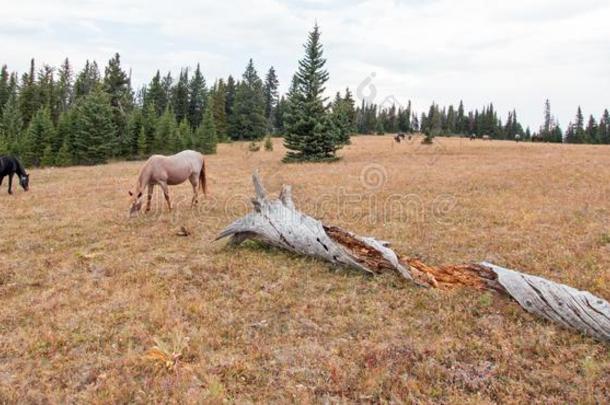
[(169, 171)]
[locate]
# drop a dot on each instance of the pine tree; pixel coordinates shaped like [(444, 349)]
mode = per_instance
[(591, 131), (603, 131), (117, 85), (271, 97), (229, 103), (135, 123), (95, 133), (38, 138), (165, 127), (65, 137), (219, 94), (65, 87), (87, 80), (5, 91), (184, 136), (579, 127), (156, 95), (248, 118), (64, 157), (206, 133), (180, 96), (197, 95), (310, 133), (11, 126), (29, 97), (341, 119)]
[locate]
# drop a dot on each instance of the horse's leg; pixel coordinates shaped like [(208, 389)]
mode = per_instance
[(1, 179), (166, 194), (10, 183), (195, 183), (149, 196)]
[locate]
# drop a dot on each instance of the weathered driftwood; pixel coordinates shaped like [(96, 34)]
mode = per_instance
[(278, 223)]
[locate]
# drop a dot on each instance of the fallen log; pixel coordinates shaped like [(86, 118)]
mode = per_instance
[(278, 223)]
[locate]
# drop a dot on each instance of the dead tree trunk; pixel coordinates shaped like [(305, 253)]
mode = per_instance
[(278, 223)]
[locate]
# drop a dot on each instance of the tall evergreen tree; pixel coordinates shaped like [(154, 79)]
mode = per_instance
[(65, 86), (38, 138), (270, 90), (310, 133), (180, 96), (164, 130), (117, 85), (206, 139), (197, 96), (218, 96), (95, 133), (11, 126), (5, 91), (87, 80), (156, 95), (248, 119)]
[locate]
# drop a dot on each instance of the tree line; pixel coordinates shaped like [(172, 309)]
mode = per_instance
[(448, 121), (54, 116)]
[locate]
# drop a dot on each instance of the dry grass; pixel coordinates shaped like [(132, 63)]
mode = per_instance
[(95, 308)]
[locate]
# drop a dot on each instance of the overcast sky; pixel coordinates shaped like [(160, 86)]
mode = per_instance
[(512, 53)]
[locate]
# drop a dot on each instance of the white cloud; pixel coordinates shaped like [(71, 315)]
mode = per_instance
[(514, 54)]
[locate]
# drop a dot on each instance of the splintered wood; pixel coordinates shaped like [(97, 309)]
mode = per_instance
[(279, 223)]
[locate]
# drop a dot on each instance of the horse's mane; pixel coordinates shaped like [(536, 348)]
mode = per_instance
[(20, 169)]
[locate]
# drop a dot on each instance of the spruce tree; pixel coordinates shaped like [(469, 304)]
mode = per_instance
[(29, 97), (248, 118), (5, 91), (180, 96), (65, 86), (184, 136), (95, 133), (166, 125), (271, 96), (197, 95), (87, 80), (206, 133), (156, 95), (310, 133), (603, 131), (219, 94), (117, 85), (38, 138), (230, 102), (11, 126)]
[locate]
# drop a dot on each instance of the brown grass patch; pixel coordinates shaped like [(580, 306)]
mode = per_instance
[(86, 293)]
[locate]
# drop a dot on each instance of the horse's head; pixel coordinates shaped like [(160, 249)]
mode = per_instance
[(136, 203), (24, 180)]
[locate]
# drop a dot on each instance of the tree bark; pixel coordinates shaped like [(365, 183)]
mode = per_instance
[(278, 223)]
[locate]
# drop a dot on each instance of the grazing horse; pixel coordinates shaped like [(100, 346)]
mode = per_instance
[(517, 138), (400, 137), (8, 167), (169, 171), (486, 138), (472, 137)]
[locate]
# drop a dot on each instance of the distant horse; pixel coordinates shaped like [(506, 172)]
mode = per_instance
[(472, 137), (399, 137), (537, 138), (169, 171), (486, 138), (8, 167), (517, 138)]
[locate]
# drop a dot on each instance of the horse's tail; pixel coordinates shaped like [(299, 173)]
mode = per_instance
[(202, 179)]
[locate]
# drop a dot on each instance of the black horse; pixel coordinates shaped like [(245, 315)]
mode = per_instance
[(8, 167)]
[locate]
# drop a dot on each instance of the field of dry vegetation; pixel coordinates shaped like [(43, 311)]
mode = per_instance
[(97, 308)]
